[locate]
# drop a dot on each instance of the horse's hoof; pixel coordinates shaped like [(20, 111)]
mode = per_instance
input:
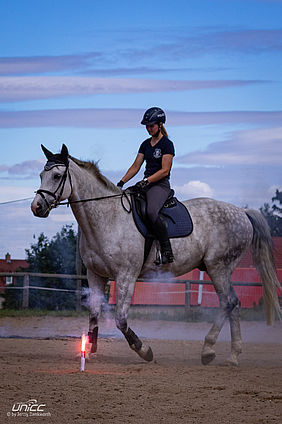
[(148, 355), (145, 352), (208, 356), (232, 361)]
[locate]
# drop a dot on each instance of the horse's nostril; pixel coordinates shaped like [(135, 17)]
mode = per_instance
[(38, 208)]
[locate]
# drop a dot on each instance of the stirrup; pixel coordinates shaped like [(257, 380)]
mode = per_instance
[(158, 260), (167, 257)]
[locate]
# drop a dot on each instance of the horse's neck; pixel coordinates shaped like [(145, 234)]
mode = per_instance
[(86, 185)]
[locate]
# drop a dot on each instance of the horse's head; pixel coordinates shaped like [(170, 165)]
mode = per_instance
[(55, 183)]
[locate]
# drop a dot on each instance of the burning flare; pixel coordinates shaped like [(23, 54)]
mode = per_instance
[(84, 340)]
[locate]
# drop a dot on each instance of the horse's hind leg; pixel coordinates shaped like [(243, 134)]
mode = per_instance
[(208, 353), (96, 298), (229, 308), (125, 287), (235, 329)]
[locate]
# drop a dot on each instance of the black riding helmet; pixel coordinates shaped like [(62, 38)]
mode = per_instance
[(154, 115)]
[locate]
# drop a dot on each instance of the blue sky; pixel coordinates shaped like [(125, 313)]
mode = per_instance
[(83, 72)]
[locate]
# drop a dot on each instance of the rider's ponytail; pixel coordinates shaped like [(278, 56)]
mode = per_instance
[(163, 131)]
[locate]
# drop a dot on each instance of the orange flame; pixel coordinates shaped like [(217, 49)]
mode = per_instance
[(84, 340)]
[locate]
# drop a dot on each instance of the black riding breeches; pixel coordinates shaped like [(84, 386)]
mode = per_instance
[(156, 195)]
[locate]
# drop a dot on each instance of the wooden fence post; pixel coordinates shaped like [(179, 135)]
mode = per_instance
[(26, 291)]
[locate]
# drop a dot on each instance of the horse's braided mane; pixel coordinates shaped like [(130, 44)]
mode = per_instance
[(93, 169)]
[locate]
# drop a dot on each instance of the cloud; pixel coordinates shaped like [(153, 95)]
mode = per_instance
[(14, 89), (43, 64), (21, 171), (240, 185), (208, 41), (252, 147), (149, 70), (251, 41), (202, 41), (127, 118), (28, 168), (194, 189), (3, 168)]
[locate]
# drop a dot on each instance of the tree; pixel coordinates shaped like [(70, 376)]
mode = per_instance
[(55, 256), (272, 214), (278, 196)]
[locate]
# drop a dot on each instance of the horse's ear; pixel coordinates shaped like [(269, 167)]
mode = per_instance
[(49, 155), (64, 154)]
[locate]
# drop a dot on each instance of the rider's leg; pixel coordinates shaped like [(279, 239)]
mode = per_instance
[(162, 235), (156, 197)]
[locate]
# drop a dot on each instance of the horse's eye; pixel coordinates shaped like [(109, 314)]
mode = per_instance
[(57, 177)]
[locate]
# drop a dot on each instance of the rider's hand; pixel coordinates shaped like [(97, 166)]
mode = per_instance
[(141, 185), (120, 183)]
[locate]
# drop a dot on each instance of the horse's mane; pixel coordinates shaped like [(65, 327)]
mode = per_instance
[(92, 168)]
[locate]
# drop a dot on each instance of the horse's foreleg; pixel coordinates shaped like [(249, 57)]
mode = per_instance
[(124, 295), (96, 297)]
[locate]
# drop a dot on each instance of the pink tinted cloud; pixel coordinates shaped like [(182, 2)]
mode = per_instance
[(14, 89), (43, 64), (126, 118), (28, 167)]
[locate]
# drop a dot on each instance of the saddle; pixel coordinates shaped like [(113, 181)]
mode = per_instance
[(173, 213)]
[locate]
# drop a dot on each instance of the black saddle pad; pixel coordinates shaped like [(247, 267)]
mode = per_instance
[(174, 213)]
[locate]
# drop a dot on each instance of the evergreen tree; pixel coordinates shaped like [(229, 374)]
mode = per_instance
[(272, 214), (278, 197)]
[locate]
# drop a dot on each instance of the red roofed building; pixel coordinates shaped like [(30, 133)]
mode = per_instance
[(10, 265)]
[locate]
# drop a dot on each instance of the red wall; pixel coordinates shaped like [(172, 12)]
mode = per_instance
[(151, 293)]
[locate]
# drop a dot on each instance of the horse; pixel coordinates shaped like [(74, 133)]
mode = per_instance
[(111, 247)]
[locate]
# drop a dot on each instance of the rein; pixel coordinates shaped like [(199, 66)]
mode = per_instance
[(91, 199)]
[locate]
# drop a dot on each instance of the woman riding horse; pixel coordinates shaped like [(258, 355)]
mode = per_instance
[(158, 152)]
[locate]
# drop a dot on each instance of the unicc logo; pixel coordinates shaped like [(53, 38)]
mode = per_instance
[(28, 409)]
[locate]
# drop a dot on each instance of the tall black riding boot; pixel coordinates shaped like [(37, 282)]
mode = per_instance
[(160, 231)]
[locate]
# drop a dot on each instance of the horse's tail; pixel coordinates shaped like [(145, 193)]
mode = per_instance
[(262, 252)]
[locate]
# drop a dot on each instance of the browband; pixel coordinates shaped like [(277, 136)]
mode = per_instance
[(50, 164)]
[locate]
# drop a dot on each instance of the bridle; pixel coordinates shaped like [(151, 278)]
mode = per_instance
[(61, 187), (57, 194)]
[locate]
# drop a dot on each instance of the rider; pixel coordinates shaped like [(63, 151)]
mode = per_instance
[(158, 152)]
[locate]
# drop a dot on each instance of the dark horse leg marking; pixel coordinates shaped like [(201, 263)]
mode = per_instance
[(133, 340), (93, 339)]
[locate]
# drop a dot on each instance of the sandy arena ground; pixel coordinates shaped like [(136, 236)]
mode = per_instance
[(118, 387)]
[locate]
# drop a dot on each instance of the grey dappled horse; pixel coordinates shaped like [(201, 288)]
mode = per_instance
[(112, 248)]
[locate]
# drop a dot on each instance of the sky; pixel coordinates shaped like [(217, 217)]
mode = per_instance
[(83, 73)]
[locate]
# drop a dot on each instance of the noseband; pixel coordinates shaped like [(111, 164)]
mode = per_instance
[(57, 194)]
